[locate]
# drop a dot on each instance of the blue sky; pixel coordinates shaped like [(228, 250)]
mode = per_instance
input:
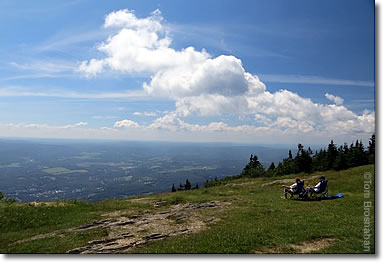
[(258, 71)]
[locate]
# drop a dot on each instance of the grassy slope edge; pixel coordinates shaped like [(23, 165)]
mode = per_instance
[(257, 220)]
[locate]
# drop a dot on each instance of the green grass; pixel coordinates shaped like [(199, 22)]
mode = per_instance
[(260, 219), (59, 244), (23, 221), (256, 220)]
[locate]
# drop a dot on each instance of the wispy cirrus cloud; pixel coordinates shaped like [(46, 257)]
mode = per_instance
[(45, 126), (40, 68), (123, 95), (318, 80), (68, 40), (145, 113), (35, 76), (66, 46), (51, 66), (219, 37)]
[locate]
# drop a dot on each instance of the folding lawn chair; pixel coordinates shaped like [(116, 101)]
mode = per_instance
[(300, 191), (323, 190)]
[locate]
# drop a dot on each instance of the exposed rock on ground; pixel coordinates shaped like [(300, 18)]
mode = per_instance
[(126, 233)]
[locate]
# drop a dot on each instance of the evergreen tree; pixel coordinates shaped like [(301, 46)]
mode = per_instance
[(303, 161), (340, 161), (351, 156), (310, 151), (174, 188), (278, 170), (371, 145), (254, 168), (371, 150), (270, 170), (187, 185), (287, 166), (346, 150), (332, 153), (319, 161), (362, 155)]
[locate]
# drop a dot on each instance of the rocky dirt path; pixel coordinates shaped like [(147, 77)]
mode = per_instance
[(288, 180), (126, 233), (301, 248)]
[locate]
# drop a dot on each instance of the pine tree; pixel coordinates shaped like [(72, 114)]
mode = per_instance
[(319, 161), (278, 170), (270, 171), (187, 185), (371, 150), (371, 145), (303, 161), (346, 150), (254, 168), (174, 188), (332, 153), (362, 155), (340, 161), (351, 156)]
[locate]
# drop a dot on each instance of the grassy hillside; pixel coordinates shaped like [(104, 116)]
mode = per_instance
[(244, 216)]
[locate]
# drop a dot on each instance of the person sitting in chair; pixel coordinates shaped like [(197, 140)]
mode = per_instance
[(293, 188), (318, 188)]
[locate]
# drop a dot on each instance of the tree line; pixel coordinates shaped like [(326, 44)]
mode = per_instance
[(186, 186), (332, 158), (305, 161)]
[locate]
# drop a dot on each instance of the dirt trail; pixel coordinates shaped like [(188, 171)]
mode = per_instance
[(126, 233), (315, 245), (242, 184), (301, 248), (287, 180)]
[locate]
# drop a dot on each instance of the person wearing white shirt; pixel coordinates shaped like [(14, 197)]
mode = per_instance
[(317, 187), (291, 189)]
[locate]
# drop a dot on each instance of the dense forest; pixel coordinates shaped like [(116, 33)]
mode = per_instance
[(305, 161)]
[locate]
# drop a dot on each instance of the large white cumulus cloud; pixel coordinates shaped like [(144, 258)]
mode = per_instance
[(204, 85), (223, 75), (141, 45)]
